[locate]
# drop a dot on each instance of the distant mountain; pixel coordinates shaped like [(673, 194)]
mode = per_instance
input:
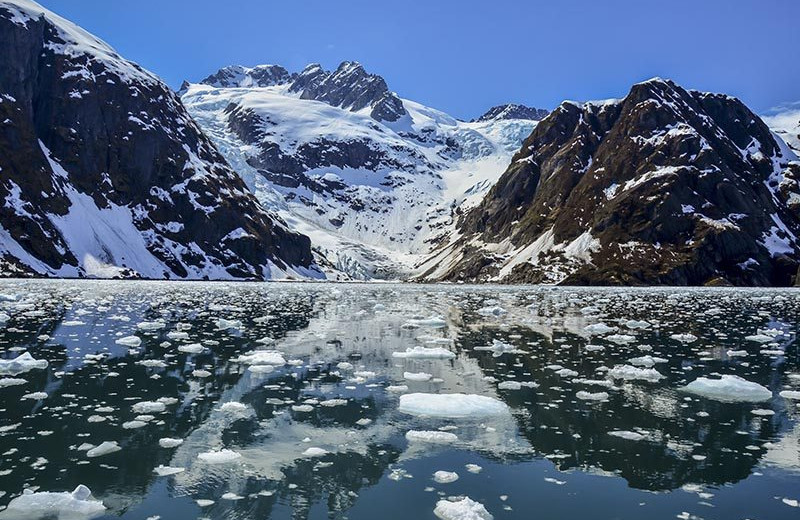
[(513, 111), (349, 86), (665, 186), (104, 174), (374, 180)]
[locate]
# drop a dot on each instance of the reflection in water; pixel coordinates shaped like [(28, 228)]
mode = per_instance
[(316, 432)]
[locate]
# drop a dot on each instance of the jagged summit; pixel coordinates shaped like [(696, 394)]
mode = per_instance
[(240, 76), (513, 111), (350, 86)]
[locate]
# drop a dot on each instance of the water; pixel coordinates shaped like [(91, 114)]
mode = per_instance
[(548, 455)]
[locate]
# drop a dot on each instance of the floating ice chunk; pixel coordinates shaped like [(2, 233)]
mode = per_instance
[(464, 509), (436, 437), (164, 471), (129, 341), (233, 407), (628, 435), (589, 396), (201, 373), (261, 369), (646, 361), (152, 363), (11, 381), (204, 502), (151, 325), (684, 338), (790, 394), (262, 357), (104, 448), (330, 403), (492, 311), (132, 425), (222, 456), (45, 504), (621, 339), (149, 407), (315, 452), (629, 373), (473, 468), (231, 496), (36, 396), (167, 442), (759, 338), (456, 406), (417, 376), (728, 389), (637, 324), (397, 388), (425, 353), (191, 348), (22, 363), (304, 408), (434, 322), (736, 353), (498, 348), (223, 324), (364, 421), (445, 477), (599, 328)]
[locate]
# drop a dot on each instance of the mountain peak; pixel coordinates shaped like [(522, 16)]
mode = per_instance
[(240, 76), (513, 111), (350, 87)]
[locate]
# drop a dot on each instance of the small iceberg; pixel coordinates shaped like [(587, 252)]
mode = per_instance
[(453, 406), (46, 504), (728, 389)]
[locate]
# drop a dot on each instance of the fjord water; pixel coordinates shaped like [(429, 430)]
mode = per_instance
[(584, 423)]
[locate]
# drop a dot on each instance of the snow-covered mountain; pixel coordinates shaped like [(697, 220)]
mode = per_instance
[(665, 186), (105, 174), (376, 181)]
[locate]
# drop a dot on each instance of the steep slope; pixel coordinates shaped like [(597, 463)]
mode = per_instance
[(375, 193), (105, 174), (665, 186)]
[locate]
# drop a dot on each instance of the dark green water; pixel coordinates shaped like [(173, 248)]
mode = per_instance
[(548, 455)]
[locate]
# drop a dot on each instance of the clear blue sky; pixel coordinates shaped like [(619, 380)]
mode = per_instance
[(463, 56)]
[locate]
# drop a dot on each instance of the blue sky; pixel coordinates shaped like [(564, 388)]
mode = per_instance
[(463, 56)]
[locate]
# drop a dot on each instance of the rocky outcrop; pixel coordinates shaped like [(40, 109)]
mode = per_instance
[(666, 186), (513, 111), (239, 76), (105, 174), (349, 87)]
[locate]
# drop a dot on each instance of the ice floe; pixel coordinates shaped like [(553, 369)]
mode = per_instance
[(453, 406), (728, 388)]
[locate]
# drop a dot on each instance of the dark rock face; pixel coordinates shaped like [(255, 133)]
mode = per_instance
[(239, 76), (103, 173), (349, 87), (666, 186), (513, 111)]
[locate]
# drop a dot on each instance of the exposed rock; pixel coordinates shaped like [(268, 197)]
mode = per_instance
[(665, 186), (349, 87), (513, 111), (239, 76), (105, 174)]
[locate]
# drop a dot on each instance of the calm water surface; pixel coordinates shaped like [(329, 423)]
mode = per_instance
[(314, 428)]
